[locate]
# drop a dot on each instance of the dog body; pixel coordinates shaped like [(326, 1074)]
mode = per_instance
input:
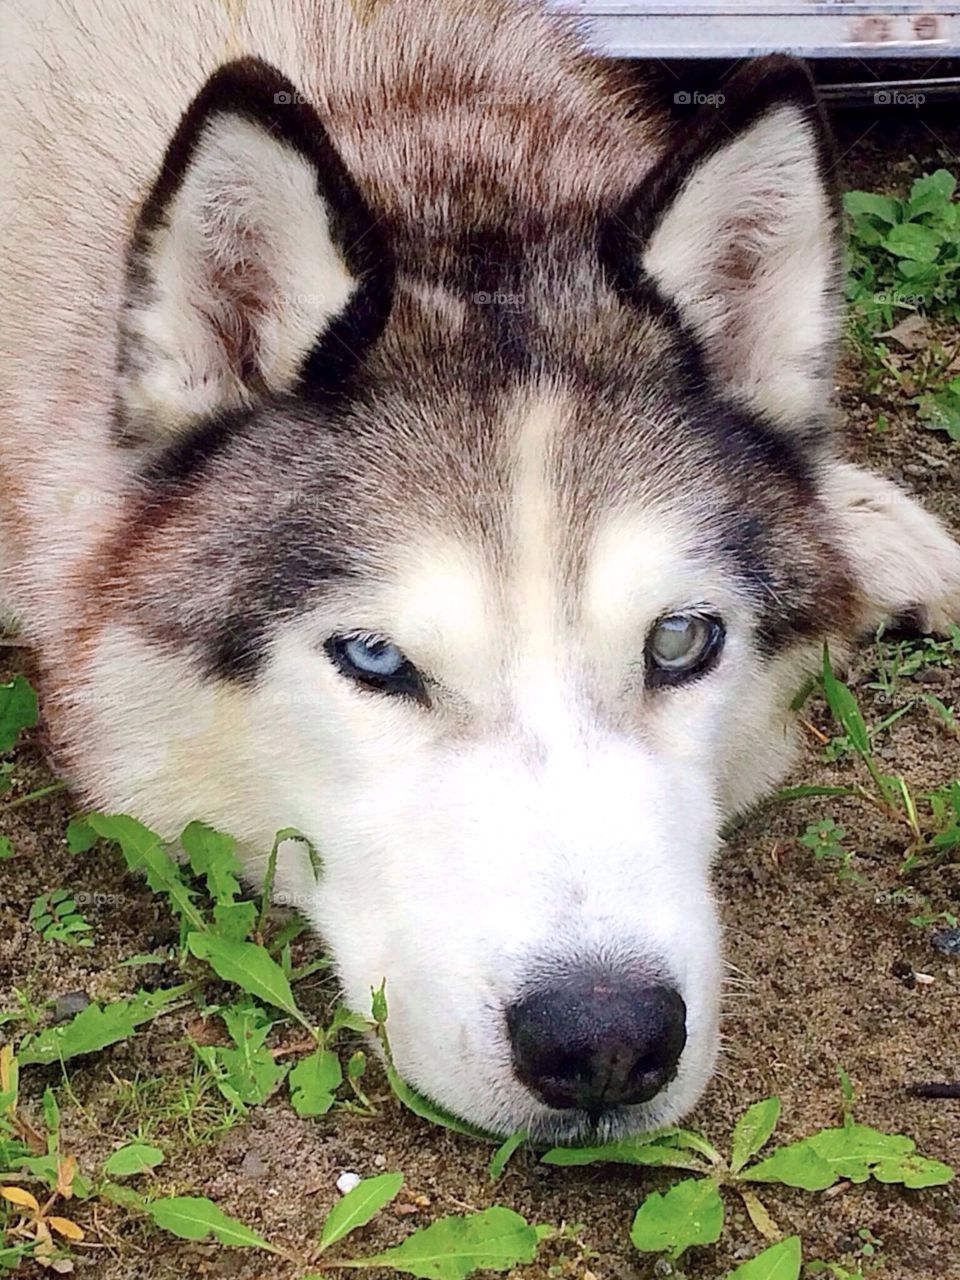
[(377, 429)]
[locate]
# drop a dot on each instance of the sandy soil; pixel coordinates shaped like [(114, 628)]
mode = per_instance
[(822, 964)]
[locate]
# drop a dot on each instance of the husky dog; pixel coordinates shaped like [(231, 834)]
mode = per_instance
[(410, 437)]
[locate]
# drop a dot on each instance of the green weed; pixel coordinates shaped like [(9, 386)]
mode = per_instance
[(903, 254), (903, 258), (940, 409), (824, 840), (930, 821), (55, 916), (692, 1211)]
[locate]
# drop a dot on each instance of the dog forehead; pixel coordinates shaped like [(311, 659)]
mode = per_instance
[(557, 520), (550, 550)]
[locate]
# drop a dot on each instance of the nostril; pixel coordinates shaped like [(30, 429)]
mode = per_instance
[(596, 1042)]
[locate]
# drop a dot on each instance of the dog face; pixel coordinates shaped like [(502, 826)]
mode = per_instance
[(501, 602)]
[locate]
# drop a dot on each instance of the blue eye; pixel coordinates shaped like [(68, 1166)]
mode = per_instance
[(376, 663), (377, 657)]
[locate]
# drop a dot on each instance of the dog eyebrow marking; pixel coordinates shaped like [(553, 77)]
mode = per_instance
[(636, 555), (442, 609)]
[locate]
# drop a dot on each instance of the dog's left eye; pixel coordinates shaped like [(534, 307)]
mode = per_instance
[(682, 646), (375, 662)]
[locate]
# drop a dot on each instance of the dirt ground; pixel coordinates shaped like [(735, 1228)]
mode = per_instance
[(823, 977)]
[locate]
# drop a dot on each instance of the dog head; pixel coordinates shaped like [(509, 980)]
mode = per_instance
[(491, 557)]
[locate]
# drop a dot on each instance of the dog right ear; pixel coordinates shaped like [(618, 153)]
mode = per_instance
[(255, 267)]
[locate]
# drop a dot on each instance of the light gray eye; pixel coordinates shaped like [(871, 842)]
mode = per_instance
[(372, 656), (376, 663), (682, 645)]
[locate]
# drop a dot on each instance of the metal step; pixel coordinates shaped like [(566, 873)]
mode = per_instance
[(729, 28)]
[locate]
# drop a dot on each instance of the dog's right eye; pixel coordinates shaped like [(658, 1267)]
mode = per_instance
[(375, 662)]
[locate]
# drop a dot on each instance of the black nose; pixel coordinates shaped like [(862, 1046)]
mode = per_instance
[(596, 1041)]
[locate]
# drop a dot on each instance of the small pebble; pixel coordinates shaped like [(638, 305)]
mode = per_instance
[(935, 675), (253, 1165), (69, 1005), (380, 1162), (347, 1181), (947, 942)]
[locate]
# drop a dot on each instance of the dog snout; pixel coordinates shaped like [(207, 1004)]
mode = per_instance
[(597, 1042)]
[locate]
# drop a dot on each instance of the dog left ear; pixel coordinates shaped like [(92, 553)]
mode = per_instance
[(738, 229), (255, 268)]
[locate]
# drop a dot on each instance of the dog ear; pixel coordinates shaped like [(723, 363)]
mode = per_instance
[(905, 564), (255, 265), (737, 227)]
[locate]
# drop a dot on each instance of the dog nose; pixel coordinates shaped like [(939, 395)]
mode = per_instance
[(597, 1042)]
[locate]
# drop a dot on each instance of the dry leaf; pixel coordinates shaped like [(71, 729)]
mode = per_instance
[(23, 1199), (6, 1074), (66, 1227), (912, 333), (759, 1215), (66, 1168)]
